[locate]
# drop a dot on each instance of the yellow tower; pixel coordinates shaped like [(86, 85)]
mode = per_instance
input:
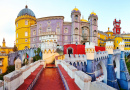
[(3, 43), (24, 20)]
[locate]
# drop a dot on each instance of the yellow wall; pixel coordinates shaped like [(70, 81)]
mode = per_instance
[(21, 28), (6, 50), (117, 41), (127, 42), (4, 63), (101, 38)]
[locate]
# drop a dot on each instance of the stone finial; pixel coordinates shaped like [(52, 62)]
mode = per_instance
[(109, 47), (122, 45), (18, 64), (90, 49)]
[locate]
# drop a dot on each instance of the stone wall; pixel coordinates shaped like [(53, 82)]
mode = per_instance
[(14, 79)]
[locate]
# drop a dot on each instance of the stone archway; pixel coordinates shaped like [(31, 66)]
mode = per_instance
[(101, 71), (116, 64)]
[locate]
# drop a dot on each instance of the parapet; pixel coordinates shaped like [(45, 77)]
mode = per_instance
[(89, 45), (96, 85)]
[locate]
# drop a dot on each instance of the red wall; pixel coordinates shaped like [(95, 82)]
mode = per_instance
[(80, 49)]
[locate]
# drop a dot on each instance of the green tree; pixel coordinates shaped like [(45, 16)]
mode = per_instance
[(35, 52), (38, 50)]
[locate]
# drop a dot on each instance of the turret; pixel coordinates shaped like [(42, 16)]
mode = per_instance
[(122, 45), (75, 30), (24, 20), (109, 47), (3, 43), (93, 19), (117, 28)]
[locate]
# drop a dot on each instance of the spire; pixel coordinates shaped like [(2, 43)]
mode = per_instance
[(3, 39), (108, 28), (26, 6), (82, 17)]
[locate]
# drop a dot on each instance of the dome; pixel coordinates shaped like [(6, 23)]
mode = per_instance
[(26, 11), (83, 20), (75, 10), (93, 13)]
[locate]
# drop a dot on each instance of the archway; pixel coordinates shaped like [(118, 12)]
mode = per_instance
[(101, 72), (116, 64), (15, 60), (70, 50)]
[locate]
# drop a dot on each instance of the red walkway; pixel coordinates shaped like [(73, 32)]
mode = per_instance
[(49, 80)]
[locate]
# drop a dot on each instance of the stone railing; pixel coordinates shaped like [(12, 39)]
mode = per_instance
[(16, 78), (82, 80), (48, 33), (100, 86)]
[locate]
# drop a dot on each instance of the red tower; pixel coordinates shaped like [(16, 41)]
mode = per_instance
[(117, 28)]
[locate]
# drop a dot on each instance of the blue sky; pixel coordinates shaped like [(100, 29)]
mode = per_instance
[(107, 11)]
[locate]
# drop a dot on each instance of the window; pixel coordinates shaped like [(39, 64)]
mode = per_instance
[(17, 35), (76, 17), (49, 22), (33, 39), (49, 29), (94, 32), (40, 25), (26, 33), (117, 30), (34, 45), (76, 30), (95, 21), (40, 30), (39, 38), (17, 24), (34, 32), (117, 41), (17, 41), (66, 30), (58, 30), (75, 37), (0, 71), (66, 37), (109, 34), (58, 37), (26, 22), (26, 40), (0, 62), (58, 24)]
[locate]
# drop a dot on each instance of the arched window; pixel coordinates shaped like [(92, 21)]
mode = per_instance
[(26, 22), (70, 50), (94, 32), (49, 29), (76, 17), (58, 30), (17, 24), (17, 35), (40, 30), (66, 30), (76, 30), (34, 32)]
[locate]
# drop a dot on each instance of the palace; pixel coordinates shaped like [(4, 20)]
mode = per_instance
[(31, 30)]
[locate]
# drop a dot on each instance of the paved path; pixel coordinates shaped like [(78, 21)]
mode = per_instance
[(49, 80)]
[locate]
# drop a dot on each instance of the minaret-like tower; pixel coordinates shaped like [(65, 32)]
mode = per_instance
[(75, 30), (93, 19), (3, 43), (117, 28)]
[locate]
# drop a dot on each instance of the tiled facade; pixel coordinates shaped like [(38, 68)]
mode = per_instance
[(78, 31)]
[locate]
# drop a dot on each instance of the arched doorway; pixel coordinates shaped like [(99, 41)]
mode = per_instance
[(116, 64), (101, 72), (70, 50)]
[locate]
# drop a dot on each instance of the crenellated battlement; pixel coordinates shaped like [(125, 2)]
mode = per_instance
[(109, 47), (101, 55), (116, 51), (122, 45)]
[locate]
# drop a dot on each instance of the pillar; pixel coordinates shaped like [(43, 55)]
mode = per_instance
[(111, 76), (123, 81), (90, 49)]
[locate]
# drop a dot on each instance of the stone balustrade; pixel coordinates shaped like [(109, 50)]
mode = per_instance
[(71, 71), (14, 79), (82, 80), (100, 86)]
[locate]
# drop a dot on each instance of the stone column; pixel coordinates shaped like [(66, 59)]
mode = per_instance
[(123, 81), (18, 64), (111, 76), (90, 49)]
